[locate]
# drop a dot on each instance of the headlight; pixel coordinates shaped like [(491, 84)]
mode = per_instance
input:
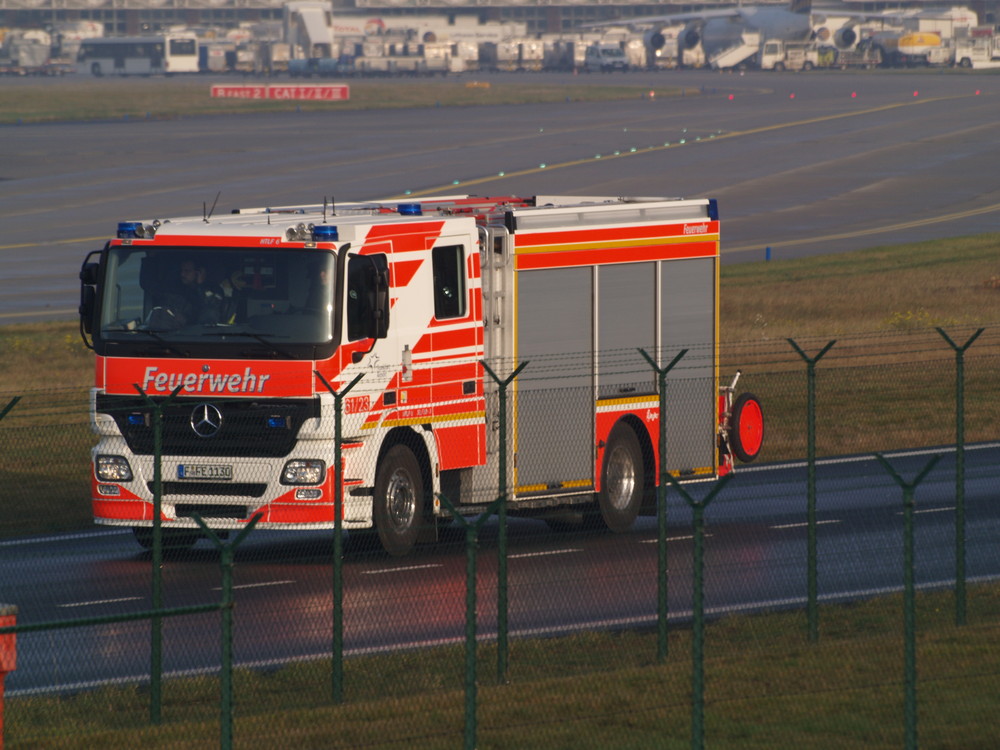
[(113, 469), (303, 471)]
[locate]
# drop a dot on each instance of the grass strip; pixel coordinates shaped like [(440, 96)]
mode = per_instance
[(115, 99), (766, 687)]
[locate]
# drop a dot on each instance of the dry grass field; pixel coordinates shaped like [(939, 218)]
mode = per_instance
[(84, 98)]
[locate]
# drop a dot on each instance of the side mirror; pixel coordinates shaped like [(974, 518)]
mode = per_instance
[(89, 272), (88, 296), (381, 303), (89, 276)]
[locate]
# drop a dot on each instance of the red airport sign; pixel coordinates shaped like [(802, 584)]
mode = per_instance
[(300, 92)]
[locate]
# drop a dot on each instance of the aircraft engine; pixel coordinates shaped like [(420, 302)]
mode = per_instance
[(691, 36), (654, 40), (845, 37)]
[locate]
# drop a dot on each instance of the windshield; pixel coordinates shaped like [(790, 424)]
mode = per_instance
[(276, 298)]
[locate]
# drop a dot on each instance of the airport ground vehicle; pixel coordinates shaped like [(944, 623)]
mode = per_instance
[(863, 55), (139, 55), (980, 49), (778, 55), (413, 296), (605, 57)]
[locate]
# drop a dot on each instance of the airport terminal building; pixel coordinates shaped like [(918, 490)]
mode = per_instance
[(130, 17), (143, 16)]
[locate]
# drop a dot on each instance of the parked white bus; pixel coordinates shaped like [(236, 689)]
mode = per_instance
[(139, 55)]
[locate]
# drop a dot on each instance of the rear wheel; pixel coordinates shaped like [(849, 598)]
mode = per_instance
[(399, 500), (622, 479), (746, 427)]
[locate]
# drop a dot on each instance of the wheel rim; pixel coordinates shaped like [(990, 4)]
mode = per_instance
[(621, 478), (401, 500)]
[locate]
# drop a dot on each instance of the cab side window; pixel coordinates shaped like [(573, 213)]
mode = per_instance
[(363, 272), (449, 281)]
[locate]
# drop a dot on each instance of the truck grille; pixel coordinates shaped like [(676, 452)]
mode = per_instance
[(250, 428), (211, 511), (212, 489)]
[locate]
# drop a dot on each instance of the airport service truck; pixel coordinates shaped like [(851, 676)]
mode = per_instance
[(605, 57), (979, 49), (778, 55), (250, 336)]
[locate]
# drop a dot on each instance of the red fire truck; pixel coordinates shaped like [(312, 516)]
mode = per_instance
[(243, 326)]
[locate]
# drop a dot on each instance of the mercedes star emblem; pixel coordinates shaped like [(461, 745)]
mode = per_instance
[(206, 420)]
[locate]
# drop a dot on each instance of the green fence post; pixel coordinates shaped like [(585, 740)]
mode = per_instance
[(10, 405), (226, 674), (471, 541), (812, 587), (960, 471), (662, 579), (909, 598), (156, 624), (502, 607), (338, 538), (698, 610)]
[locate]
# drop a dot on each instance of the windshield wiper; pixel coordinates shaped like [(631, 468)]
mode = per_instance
[(154, 335), (256, 336)]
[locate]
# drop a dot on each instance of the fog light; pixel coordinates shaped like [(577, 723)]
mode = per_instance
[(112, 469), (303, 471), (308, 494), (108, 489)]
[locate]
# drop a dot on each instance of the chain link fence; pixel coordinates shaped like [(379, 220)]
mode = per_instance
[(838, 592)]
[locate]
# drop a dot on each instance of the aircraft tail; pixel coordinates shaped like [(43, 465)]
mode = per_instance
[(801, 6)]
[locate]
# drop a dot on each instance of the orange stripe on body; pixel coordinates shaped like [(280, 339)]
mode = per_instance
[(562, 258), (617, 234)]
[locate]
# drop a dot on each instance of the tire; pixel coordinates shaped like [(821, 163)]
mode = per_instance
[(778, 67), (399, 501), (95, 70), (746, 427), (807, 66), (173, 539), (622, 479)]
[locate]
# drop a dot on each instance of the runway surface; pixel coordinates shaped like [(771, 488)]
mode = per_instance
[(801, 163)]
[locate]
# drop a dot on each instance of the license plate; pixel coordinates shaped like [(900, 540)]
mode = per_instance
[(204, 471)]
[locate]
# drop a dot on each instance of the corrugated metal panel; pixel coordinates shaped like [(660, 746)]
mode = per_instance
[(626, 322), (688, 322), (555, 398)]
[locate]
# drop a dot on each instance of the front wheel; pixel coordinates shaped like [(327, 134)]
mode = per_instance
[(399, 501), (746, 427), (622, 479)]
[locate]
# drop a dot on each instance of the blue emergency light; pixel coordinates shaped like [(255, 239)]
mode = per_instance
[(410, 209), (325, 233), (130, 230)]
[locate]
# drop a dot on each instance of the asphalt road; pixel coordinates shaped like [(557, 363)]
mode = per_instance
[(755, 559), (801, 163)]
